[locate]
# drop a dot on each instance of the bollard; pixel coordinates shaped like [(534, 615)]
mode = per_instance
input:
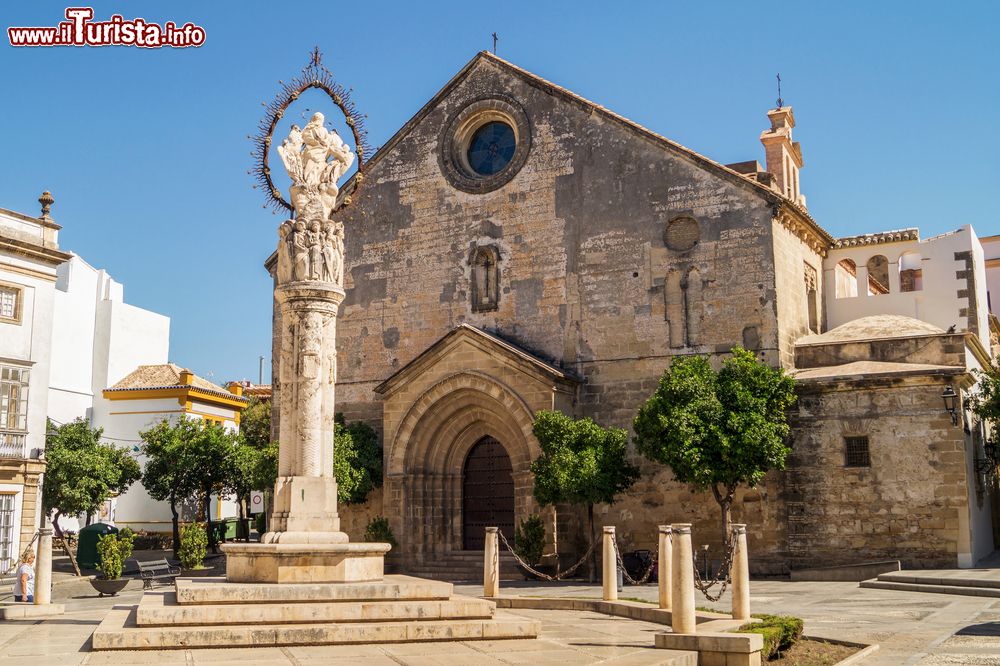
[(609, 565), (43, 567), (682, 619), (741, 575), (491, 564), (663, 566)]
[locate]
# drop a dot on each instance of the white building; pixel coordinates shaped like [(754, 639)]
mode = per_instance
[(29, 255), (940, 280), (97, 339), (143, 398)]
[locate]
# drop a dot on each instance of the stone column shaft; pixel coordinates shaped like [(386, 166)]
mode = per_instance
[(682, 595), (43, 567), (491, 564), (741, 575), (305, 498), (664, 565), (609, 565)]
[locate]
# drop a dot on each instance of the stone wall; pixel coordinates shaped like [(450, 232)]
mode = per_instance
[(910, 504), (616, 253)]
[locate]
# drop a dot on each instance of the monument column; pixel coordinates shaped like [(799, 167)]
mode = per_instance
[(305, 544), (305, 498)]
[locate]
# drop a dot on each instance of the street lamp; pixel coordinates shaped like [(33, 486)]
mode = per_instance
[(950, 403)]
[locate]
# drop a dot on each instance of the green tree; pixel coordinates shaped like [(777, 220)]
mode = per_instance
[(985, 402), (187, 459), (81, 472), (718, 430), (255, 423), (357, 461), (581, 463), (168, 475), (252, 468), (211, 457)]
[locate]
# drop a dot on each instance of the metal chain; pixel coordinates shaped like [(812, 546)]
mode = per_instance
[(24, 552), (559, 575), (727, 564), (621, 565)]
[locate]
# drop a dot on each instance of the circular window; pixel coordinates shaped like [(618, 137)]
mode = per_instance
[(484, 144), (492, 148)]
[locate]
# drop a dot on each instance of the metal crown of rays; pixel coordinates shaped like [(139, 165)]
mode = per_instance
[(314, 75)]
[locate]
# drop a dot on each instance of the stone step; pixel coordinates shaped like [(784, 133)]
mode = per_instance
[(392, 587), (877, 584), (119, 631), (160, 609), (923, 579)]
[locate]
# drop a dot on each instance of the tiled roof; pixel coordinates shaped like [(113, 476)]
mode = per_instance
[(166, 375), (896, 236)]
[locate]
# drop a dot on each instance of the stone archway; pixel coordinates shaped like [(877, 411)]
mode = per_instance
[(427, 458)]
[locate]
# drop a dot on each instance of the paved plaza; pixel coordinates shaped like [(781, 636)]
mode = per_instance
[(911, 628)]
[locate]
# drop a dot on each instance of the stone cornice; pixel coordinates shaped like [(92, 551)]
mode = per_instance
[(800, 223), (912, 234), (34, 252)]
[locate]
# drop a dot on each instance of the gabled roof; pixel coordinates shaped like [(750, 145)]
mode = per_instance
[(495, 344), (596, 109)]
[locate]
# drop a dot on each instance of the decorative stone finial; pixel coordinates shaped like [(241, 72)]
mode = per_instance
[(46, 200)]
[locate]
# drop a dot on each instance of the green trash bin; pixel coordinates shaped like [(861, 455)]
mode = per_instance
[(86, 548)]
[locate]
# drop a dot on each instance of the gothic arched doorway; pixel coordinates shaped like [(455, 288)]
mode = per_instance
[(487, 493)]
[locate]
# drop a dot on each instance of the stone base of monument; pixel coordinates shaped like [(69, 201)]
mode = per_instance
[(304, 562), (211, 612)]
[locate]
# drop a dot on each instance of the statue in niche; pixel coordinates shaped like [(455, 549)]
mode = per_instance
[(315, 159)]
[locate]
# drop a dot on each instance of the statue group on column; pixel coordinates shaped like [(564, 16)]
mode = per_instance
[(313, 251)]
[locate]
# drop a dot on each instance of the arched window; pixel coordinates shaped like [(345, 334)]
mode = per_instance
[(878, 275), (911, 276), (485, 279), (846, 276)]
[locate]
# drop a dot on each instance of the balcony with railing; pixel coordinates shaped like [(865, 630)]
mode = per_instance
[(12, 444)]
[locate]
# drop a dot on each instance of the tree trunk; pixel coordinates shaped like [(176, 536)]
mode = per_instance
[(212, 543), (175, 520), (592, 564), (242, 503), (725, 500), (65, 545)]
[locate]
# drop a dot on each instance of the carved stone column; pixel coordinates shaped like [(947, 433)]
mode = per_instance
[(305, 544), (305, 495)]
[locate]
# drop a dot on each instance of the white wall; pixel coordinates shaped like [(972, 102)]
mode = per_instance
[(28, 344), (98, 338), (991, 253), (937, 303)]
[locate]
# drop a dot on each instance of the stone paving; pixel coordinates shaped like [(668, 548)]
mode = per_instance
[(568, 638), (913, 629)]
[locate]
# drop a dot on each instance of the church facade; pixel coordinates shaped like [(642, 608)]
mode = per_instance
[(516, 247)]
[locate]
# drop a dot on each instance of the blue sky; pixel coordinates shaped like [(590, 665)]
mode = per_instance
[(146, 152)]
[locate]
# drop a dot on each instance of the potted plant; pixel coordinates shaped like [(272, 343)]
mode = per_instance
[(193, 549), (529, 544), (113, 550)]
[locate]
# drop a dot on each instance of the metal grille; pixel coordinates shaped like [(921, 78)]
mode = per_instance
[(487, 493), (7, 551), (856, 452)]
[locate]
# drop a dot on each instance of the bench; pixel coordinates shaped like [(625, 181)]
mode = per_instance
[(152, 570)]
